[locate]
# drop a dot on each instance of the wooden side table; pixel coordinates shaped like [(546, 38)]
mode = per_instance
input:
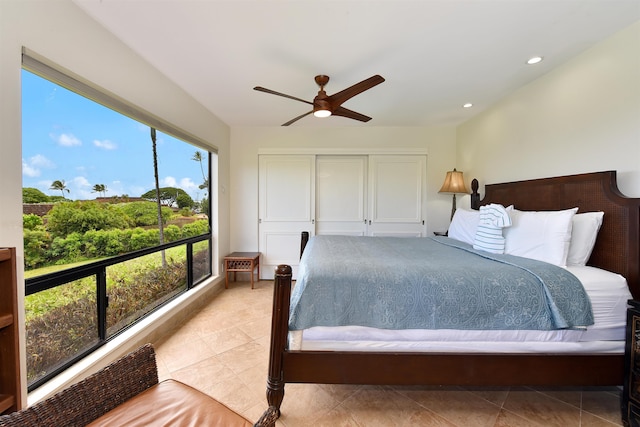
[(241, 261)]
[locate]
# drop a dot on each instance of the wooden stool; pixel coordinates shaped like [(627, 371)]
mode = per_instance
[(241, 261)]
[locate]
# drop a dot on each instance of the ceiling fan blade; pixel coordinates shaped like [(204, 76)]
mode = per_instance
[(338, 98), (344, 112), (273, 92), (297, 118)]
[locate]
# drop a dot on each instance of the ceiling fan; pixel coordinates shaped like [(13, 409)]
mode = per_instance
[(331, 105)]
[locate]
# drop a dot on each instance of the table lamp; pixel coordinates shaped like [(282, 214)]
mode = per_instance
[(454, 183)]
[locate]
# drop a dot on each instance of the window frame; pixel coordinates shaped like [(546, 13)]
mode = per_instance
[(45, 69)]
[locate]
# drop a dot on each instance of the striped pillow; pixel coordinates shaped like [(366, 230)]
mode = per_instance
[(493, 218)]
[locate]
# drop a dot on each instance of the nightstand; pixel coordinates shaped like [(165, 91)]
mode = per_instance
[(241, 261)]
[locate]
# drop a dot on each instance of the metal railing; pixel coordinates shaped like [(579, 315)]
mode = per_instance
[(100, 326)]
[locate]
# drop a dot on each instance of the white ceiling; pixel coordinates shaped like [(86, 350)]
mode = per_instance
[(435, 55)]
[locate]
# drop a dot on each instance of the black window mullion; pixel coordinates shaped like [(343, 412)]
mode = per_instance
[(189, 265), (103, 302)]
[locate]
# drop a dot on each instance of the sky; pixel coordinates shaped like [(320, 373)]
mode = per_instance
[(69, 138)]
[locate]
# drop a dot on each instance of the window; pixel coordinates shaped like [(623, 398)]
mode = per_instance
[(117, 216)]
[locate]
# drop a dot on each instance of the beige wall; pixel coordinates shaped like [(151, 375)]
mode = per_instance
[(582, 117), (248, 142), (60, 32)]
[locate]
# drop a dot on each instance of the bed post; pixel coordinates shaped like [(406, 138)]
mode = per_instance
[(279, 331), (475, 196), (304, 239)]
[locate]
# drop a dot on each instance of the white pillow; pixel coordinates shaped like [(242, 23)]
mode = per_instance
[(463, 225), (583, 237), (541, 235)]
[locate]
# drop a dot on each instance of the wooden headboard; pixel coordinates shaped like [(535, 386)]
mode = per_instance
[(617, 248)]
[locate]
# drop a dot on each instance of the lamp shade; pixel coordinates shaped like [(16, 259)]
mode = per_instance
[(454, 183)]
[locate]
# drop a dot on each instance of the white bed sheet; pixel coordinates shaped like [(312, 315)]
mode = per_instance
[(608, 292)]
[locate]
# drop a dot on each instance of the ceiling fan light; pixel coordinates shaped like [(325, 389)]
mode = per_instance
[(534, 60), (322, 113)]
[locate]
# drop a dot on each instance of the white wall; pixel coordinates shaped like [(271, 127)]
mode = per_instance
[(582, 117), (247, 142), (65, 35)]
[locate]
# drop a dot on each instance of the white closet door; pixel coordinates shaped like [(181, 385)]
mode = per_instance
[(286, 207), (396, 196), (341, 194)]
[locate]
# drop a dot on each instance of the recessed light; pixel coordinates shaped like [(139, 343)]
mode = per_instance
[(534, 60), (467, 105)]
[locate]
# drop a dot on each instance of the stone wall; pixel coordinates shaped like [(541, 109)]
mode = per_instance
[(40, 209)]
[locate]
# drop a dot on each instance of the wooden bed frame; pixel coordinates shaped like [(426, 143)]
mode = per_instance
[(617, 249)]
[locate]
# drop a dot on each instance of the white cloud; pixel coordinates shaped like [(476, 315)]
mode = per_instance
[(80, 181), (33, 167), (168, 181), (67, 140), (188, 185), (41, 161), (29, 171), (105, 144), (80, 188)]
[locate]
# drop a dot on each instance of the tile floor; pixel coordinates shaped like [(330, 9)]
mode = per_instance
[(223, 351)]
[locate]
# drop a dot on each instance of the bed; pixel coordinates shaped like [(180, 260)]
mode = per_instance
[(616, 250)]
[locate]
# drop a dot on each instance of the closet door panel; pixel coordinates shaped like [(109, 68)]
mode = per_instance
[(286, 207), (341, 191), (396, 195)]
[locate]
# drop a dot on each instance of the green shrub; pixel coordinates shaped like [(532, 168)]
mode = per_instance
[(186, 212), (33, 195), (141, 239), (204, 206), (82, 216), (101, 243), (102, 230), (183, 200), (145, 213), (196, 228), (172, 233), (31, 221), (36, 246), (68, 249)]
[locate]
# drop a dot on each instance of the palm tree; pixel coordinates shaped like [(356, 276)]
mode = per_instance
[(205, 181), (155, 174), (59, 185), (100, 188)]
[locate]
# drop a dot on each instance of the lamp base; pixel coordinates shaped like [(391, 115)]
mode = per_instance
[(453, 206)]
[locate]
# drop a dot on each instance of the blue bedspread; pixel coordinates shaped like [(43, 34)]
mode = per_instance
[(431, 283)]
